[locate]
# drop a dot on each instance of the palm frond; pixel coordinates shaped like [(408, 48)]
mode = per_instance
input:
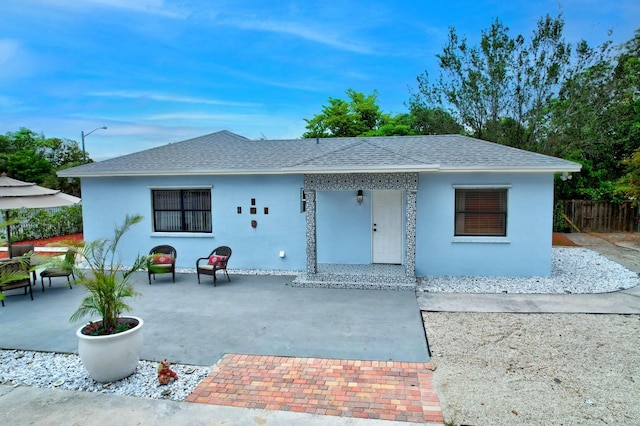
[(106, 280)]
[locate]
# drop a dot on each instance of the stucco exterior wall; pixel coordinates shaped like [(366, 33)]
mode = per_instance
[(525, 251), (106, 201), (343, 227)]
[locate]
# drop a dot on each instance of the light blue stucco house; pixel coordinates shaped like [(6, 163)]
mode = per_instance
[(365, 211)]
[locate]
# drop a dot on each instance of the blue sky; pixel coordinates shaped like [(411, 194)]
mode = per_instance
[(157, 71)]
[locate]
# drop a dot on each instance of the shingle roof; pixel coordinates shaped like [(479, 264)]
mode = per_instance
[(228, 153)]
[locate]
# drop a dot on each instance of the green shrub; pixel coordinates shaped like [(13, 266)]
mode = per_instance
[(35, 224)]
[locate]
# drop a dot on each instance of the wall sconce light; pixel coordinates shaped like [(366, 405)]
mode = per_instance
[(565, 176), (360, 196)]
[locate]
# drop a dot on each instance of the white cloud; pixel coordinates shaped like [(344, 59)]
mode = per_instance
[(168, 98), (310, 85), (153, 7), (9, 102), (15, 60), (8, 51), (199, 116), (318, 35)]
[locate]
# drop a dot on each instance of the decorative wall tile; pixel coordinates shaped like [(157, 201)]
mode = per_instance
[(339, 277)]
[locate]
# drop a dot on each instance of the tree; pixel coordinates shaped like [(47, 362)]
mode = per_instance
[(626, 76), (474, 80), (362, 116), (398, 125), (27, 165), (596, 121), (541, 66), (431, 121), (342, 118), (628, 186), (499, 90), (32, 157), (546, 95)]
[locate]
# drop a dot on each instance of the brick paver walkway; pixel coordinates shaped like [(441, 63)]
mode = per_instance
[(386, 390)]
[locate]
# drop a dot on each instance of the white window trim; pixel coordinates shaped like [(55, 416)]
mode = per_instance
[(174, 187), (483, 239), (490, 186), (182, 235)]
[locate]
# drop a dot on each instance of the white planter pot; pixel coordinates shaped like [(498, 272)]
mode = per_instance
[(113, 357)]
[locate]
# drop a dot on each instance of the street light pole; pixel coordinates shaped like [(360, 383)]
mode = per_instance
[(83, 134)]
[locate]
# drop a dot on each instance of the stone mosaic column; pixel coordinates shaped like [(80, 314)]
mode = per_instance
[(312, 256), (410, 266)]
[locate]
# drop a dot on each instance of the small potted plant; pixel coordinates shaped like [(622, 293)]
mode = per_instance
[(109, 346)]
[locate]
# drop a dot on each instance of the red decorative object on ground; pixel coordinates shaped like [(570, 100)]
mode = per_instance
[(165, 374)]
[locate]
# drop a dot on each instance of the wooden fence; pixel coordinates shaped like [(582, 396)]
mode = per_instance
[(599, 216)]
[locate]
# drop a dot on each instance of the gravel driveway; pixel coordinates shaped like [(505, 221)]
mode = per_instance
[(540, 369)]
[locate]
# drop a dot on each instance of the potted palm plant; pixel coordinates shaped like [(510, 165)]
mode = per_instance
[(109, 346)]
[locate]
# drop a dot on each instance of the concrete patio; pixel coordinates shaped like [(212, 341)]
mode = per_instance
[(197, 324), (252, 317)]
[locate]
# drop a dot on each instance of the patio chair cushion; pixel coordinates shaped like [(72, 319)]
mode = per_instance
[(160, 267), (162, 259), (206, 266), (220, 260)]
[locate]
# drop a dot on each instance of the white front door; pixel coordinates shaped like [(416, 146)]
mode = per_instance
[(387, 227)]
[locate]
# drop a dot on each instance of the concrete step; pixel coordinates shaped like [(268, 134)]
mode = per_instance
[(363, 282)]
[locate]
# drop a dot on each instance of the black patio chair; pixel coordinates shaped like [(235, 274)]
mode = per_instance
[(14, 273), (162, 260), (216, 261)]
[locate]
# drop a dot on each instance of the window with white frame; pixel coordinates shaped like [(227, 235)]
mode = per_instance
[(481, 212), (181, 210)]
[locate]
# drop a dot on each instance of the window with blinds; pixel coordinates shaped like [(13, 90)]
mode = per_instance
[(481, 212), (181, 210)]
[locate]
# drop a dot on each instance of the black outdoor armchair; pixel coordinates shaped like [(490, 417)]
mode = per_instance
[(216, 261), (14, 273), (162, 260)]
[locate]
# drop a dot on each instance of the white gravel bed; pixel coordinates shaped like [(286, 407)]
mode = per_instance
[(573, 270), (65, 371)]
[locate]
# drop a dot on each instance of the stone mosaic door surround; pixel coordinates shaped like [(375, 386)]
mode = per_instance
[(407, 182)]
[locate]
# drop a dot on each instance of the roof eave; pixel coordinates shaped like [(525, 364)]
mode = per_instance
[(427, 168), (279, 171), (569, 168)]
